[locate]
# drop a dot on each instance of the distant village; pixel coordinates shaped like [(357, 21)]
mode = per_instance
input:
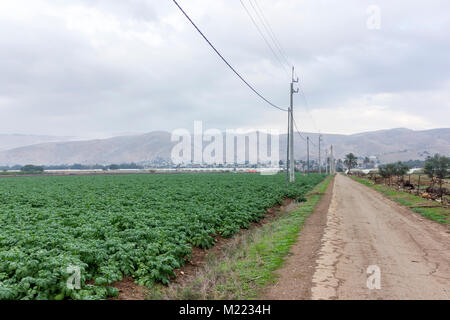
[(162, 164)]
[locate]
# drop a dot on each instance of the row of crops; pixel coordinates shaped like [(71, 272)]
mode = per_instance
[(142, 226)]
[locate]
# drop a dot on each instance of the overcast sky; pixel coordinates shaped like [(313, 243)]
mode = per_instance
[(96, 68)]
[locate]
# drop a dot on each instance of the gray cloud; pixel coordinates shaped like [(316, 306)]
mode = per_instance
[(94, 68)]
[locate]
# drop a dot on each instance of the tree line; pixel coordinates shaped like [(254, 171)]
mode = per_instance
[(436, 168), (33, 169)]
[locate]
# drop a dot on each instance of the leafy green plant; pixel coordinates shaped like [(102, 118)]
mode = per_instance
[(143, 226)]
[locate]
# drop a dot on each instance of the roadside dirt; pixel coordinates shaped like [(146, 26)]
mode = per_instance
[(365, 229), (198, 257), (295, 277)]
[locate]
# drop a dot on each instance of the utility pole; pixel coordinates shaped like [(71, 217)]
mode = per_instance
[(320, 165), (287, 147), (291, 129), (332, 161), (326, 161), (307, 153)]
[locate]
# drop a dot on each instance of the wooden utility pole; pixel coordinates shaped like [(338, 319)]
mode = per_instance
[(287, 146), (332, 170), (291, 130), (320, 164), (307, 153)]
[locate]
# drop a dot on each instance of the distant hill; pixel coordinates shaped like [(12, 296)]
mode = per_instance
[(11, 141), (139, 148), (387, 145)]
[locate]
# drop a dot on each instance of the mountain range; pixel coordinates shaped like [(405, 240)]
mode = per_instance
[(11, 141), (387, 145)]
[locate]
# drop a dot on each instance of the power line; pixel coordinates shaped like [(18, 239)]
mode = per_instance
[(274, 38), (307, 109), (269, 30), (264, 37), (298, 131), (226, 62)]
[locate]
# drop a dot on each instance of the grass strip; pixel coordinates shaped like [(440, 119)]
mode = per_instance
[(416, 203)]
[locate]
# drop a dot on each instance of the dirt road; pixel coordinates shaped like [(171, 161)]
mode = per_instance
[(366, 238)]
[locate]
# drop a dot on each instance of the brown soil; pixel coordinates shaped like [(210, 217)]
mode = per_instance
[(295, 277), (198, 256), (128, 290)]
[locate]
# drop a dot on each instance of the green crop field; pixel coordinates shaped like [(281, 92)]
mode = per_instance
[(142, 226)]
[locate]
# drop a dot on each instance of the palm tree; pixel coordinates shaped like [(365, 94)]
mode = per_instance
[(350, 161)]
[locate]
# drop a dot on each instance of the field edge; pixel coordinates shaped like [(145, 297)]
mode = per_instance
[(247, 265), (438, 214)]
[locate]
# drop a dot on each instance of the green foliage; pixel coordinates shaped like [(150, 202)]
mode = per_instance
[(29, 168), (437, 166), (387, 170), (142, 226), (301, 199), (350, 161), (244, 269), (415, 163), (400, 169)]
